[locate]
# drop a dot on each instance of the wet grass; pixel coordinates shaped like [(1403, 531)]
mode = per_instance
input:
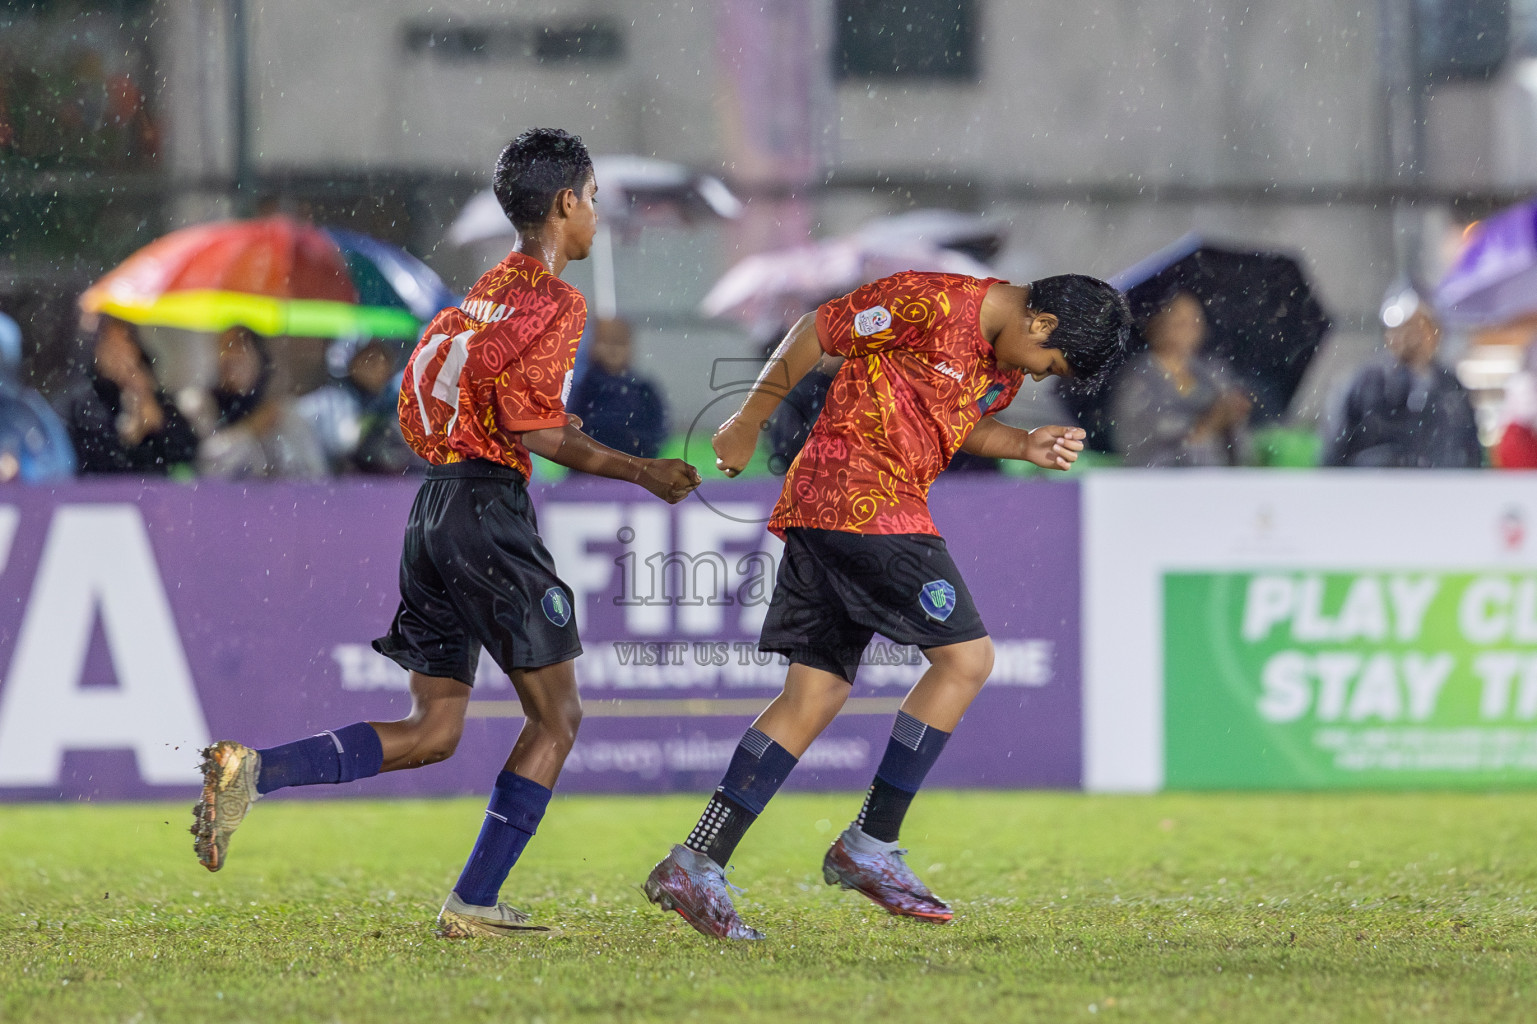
[(1209, 908)]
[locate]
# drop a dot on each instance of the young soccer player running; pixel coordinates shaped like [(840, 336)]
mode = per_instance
[(922, 363), (485, 387)]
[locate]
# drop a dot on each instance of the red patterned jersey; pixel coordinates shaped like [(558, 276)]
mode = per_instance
[(916, 378), (496, 365)]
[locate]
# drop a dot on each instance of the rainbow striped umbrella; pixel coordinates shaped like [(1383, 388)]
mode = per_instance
[(275, 275)]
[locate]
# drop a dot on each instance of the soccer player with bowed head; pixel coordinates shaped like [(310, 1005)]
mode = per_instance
[(922, 362), (484, 388)]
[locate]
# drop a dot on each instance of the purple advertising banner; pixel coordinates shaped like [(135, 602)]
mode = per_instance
[(139, 622)]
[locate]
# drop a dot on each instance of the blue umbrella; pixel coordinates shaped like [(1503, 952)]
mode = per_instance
[(386, 275)]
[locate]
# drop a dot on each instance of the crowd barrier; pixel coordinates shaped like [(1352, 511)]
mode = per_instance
[(1193, 630)]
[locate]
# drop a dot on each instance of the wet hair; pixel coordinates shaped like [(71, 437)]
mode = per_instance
[(1093, 326), (536, 167)]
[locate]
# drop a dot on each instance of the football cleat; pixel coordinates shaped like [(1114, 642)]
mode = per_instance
[(877, 870), (229, 771), (696, 887), (461, 920)]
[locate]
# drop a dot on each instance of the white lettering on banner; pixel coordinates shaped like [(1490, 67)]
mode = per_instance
[(98, 559), (1499, 671), (645, 608), (1387, 687), (9, 517), (1370, 611), (707, 532), (363, 668), (1496, 608), (568, 527)]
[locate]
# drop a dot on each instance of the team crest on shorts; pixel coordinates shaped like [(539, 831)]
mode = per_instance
[(871, 321), (556, 607), (937, 599)]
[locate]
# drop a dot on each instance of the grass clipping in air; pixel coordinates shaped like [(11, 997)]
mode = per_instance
[(1209, 907)]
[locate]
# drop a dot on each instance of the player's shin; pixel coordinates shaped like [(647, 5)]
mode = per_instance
[(344, 755), (758, 767), (516, 807), (910, 752)]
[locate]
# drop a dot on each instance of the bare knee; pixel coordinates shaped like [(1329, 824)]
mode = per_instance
[(440, 744), (967, 664), (434, 738), (559, 723)]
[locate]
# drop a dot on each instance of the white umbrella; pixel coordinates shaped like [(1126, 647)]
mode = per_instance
[(975, 235), (632, 190), (773, 284)]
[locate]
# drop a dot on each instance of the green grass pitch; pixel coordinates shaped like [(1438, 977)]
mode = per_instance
[(1179, 907)]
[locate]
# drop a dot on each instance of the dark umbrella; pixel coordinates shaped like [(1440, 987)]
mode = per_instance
[(1262, 320)]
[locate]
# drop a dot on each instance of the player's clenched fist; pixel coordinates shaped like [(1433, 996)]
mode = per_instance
[(1054, 447), (668, 479), (734, 444)]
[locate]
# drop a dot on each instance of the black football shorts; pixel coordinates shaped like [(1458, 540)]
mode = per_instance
[(473, 573), (835, 590)]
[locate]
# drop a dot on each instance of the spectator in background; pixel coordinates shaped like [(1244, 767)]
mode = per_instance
[(119, 419), (337, 413), (618, 407), (1403, 409), (1173, 407), (34, 446), (255, 433)]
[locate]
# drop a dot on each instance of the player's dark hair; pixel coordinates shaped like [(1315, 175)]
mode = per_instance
[(533, 169), (1093, 326)]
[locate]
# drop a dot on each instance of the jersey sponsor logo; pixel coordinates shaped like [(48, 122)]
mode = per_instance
[(871, 321), (557, 607), (937, 599), (950, 371), (986, 401)]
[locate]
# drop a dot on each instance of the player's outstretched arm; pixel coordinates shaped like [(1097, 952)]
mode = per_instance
[(1047, 447), (668, 479), (737, 438)]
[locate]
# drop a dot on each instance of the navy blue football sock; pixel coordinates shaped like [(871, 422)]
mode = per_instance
[(513, 815), (910, 753), (341, 756), (758, 768)]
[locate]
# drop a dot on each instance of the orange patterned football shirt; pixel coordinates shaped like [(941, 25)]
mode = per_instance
[(497, 364), (917, 378)]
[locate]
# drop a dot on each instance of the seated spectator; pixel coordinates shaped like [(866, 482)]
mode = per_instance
[(1403, 409), (1173, 407), (340, 413), (119, 419), (34, 446), (618, 407), (255, 433)]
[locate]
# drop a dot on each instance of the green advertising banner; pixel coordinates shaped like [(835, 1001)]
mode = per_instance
[(1349, 679)]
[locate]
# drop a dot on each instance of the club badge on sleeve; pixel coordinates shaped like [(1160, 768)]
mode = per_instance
[(871, 321)]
